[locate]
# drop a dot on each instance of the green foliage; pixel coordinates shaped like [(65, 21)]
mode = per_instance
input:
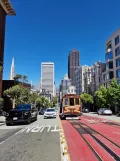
[(1, 68), (21, 95), (86, 98), (21, 78), (1, 100), (108, 97), (18, 94), (54, 101), (33, 97), (101, 97)]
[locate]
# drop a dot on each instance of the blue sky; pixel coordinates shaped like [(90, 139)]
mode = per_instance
[(46, 30)]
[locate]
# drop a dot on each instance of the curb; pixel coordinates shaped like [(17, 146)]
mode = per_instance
[(63, 144), (2, 124)]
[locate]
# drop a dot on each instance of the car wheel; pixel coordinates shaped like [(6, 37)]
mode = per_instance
[(8, 124), (29, 120), (35, 118)]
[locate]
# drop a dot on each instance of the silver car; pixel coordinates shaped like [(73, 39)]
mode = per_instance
[(50, 112), (104, 111)]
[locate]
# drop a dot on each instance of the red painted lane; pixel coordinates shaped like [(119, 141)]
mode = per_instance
[(104, 155), (110, 145), (96, 118), (79, 150), (109, 132)]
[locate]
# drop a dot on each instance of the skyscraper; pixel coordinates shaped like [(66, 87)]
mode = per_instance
[(12, 70), (5, 9), (73, 64), (47, 76)]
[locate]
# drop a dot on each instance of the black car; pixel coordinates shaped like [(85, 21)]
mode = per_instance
[(22, 114), (41, 112)]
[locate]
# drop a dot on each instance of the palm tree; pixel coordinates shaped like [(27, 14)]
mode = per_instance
[(25, 79), (17, 78)]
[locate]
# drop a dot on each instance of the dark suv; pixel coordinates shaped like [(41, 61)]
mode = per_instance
[(22, 114)]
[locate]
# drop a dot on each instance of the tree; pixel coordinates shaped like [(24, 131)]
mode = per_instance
[(54, 101), (18, 77), (33, 97), (101, 97), (24, 97), (1, 103), (42, 102), (86, 98), (1, 68), (113, 94), (14, 93), (38, 103), (24, 79)]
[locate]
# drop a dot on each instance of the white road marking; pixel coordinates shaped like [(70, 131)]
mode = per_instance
[(116, 133), (36, 129), (55, 130), (2, 142)]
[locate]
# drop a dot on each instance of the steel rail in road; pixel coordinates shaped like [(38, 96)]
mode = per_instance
[(101, 146)]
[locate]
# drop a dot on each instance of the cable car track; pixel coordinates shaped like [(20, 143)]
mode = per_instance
[(96, 141)]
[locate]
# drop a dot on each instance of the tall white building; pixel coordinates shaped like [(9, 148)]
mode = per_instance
[(47, 76), (79, 79), (12, 70)]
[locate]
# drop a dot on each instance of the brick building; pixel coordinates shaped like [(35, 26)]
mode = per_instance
[(5, 9)]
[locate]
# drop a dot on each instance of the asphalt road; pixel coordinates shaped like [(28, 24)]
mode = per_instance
[(39, 141)]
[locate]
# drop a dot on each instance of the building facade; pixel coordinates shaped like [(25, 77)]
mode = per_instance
[(64, 86), (73, 64), (93, 77), (5, 9), (71, 90), (112, 59), (47, 77), (54, 89), (79, 79)]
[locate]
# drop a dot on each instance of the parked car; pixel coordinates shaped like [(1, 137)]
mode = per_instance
[(41, 112), (22, 114), (50, 112), (86, 110), (104, 111)]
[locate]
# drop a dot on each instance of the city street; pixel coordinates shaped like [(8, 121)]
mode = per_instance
[(39, 141)]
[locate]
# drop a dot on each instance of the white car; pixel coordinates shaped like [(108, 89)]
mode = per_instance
[(50, 112), (104, 111)]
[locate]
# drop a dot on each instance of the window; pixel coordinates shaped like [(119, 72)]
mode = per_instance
[(66, 102), (99, 79), (111, 75), (117, 51), (117, 62), (77, 101), (71, 101), (118, 73), (116, 40), (109, 56), (107, 65)]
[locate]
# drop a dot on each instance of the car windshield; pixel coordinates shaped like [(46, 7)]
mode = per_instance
[(23, 107), (50, 110)]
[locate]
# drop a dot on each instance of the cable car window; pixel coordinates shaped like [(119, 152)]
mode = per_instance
[(66, 102), (71, 101), (77, 101)]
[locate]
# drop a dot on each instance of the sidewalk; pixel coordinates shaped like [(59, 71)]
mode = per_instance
[(2, 120), (112, 118)]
